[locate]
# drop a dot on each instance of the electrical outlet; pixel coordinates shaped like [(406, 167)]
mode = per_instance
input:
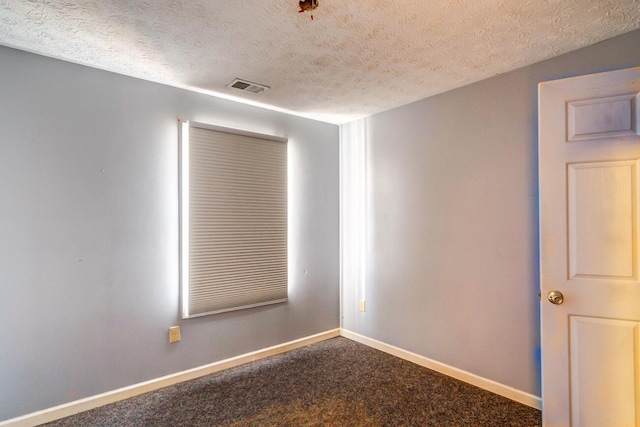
[(174, 334), (362, 305)]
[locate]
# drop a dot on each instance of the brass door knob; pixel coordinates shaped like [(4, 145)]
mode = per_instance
[(555, 297)]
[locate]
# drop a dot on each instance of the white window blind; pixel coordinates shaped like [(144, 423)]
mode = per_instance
[(233, 219)]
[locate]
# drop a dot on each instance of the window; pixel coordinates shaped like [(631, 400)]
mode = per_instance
[(353, 215), (233, 216)]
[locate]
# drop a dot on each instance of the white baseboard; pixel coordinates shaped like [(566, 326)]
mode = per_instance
[(71, 408), (490, 385)]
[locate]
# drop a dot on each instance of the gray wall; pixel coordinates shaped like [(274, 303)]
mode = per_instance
[(89, 233), (452, 258)]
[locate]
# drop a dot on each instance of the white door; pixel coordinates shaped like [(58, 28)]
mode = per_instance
[(589, 194)]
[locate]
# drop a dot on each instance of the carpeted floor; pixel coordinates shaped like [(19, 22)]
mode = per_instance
[(337, 382)]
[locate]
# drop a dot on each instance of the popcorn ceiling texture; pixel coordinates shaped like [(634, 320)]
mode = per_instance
[(354, 59)]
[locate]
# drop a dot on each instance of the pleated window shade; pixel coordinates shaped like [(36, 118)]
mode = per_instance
[(234, 219)]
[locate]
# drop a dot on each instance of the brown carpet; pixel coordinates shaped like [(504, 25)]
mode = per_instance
[(337, 382)]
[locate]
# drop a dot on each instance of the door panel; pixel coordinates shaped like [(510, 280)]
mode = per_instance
[(604, 368), (602, 205), (602, 117), (589, 152)]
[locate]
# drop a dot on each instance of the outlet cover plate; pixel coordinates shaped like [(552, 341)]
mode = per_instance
[(174, 334)]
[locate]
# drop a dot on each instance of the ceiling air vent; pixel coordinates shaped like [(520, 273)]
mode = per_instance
[(246, 86)]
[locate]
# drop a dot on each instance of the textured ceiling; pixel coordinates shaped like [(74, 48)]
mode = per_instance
[(355, 58)]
